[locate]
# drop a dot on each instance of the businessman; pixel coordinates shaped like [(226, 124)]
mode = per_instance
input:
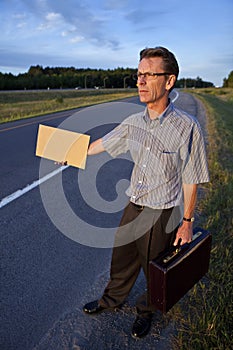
[(167, 147)]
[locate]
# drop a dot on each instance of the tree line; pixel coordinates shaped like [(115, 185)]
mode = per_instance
[(38, 77)]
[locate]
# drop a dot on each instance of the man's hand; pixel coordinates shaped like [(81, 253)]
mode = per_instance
[(61, 163), (95, 147), (185, 232)]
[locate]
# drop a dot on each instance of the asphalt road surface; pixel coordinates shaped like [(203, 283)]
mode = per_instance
[(56, 244)]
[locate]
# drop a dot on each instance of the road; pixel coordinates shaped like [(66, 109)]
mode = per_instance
[(50, 263)]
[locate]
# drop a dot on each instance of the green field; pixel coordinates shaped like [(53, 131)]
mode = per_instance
[(24, 104), (204, 316)]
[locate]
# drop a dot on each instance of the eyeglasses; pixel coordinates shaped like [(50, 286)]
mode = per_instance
[(149, 75)]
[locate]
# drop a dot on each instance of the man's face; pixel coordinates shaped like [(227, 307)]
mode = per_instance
[(152, 90)]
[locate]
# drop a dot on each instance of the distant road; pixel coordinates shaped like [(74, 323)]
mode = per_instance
[(47, 277)]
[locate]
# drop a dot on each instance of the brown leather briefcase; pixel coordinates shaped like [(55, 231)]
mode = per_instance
[(173, 273)]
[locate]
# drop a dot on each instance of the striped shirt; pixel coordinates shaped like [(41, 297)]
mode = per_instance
[(167, 152)]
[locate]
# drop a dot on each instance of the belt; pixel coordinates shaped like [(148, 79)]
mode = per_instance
[(139, 207)]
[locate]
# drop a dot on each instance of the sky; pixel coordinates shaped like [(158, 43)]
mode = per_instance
[(109, 34)]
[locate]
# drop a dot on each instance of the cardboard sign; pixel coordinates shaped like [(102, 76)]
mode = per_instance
[(62, 146)]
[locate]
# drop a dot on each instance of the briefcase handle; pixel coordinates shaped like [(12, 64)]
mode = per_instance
[(178, 248)]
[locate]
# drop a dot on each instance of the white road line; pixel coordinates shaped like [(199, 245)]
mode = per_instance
[(176, 97), (36, 183), (28, 188)]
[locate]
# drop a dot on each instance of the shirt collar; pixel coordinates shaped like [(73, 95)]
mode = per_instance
[(161, 117)]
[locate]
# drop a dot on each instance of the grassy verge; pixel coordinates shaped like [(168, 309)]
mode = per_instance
[(24, 104), (204, 317)]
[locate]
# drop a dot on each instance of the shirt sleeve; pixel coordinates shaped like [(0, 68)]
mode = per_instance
[(193, 155), (116, 141)]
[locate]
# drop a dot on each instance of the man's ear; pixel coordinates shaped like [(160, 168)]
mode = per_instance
[(170, 82)]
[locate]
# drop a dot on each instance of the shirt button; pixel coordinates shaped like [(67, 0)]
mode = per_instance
[(140, 182), (133, 197), (147, 148), (144, 166)]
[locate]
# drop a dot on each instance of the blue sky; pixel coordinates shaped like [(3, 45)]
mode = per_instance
[(110, 34)]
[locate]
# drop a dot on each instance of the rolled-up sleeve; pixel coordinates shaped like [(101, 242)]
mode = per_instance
[(193, 155), (116, 141)]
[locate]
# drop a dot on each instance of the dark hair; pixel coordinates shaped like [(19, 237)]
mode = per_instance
[(169, 60)]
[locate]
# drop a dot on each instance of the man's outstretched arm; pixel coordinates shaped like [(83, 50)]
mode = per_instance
[(95, 147)]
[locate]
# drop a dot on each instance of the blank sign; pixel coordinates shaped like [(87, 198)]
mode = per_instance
[(62, 146)]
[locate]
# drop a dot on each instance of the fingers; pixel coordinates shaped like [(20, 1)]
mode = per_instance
[(183, 234), (176, 241), (61, 163), (181, 240)]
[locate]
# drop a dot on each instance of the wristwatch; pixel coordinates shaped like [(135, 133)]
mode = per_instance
[(189, 220)]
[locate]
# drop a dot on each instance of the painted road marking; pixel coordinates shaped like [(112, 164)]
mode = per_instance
[(30, 123), (30, 187), (176, 97), (36, 183)]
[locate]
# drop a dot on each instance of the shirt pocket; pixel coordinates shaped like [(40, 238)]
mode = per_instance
[(169, 164)]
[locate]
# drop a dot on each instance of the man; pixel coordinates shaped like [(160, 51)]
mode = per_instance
[(168, 151)]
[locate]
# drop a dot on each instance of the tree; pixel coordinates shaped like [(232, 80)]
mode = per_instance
[(35, 70), (228, 82)]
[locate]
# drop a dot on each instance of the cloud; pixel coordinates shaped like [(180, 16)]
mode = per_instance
[(8, 57), (37, 7), (21, 25), (15, 60), (225, 59), (51, 20), (76, 39), (19, 20), (139, 16), (80, 17), (52, 16), (114, 5), (20, 16)]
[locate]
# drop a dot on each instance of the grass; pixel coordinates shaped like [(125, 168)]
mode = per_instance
[(24, 104), (204, 316)]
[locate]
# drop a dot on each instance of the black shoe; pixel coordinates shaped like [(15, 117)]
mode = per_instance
[(93, 308), (141, 327)]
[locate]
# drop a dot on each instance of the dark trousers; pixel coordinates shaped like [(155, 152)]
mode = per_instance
[(142, 235)]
